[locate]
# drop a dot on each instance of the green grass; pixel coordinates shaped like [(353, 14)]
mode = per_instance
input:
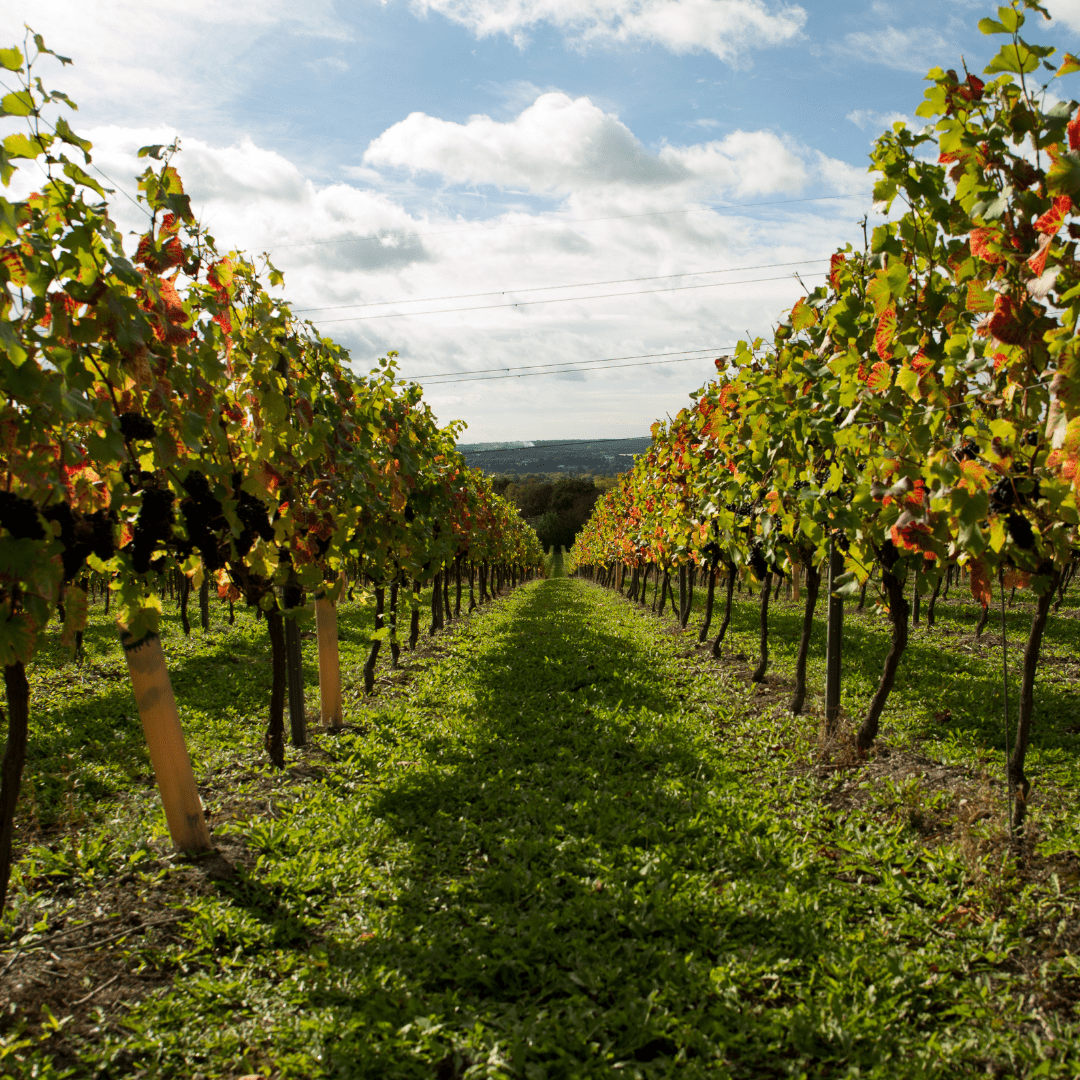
[(947, 698), (563, 852)]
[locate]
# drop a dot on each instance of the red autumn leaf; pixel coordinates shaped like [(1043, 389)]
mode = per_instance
[(920, 363), (14, 265), (979, 298), (835, 263), (974, 89), (1016, 579), (1004, 324), (886, 328), (879, 378), (981, 588), (1037, 262), (1072, 129), (221, 274), (980, 239), (1051, 222), (158, 260)]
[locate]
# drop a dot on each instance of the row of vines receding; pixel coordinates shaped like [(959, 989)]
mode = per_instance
[(164, 417), (915, 417)]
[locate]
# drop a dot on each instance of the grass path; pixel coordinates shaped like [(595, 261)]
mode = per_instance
[(564, 852)]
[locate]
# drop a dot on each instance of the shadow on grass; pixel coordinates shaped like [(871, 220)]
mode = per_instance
[(567, 892)]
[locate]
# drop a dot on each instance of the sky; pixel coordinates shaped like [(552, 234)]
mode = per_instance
[(558, 212)]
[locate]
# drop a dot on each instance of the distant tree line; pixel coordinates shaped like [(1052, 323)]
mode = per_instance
[(557, 507)]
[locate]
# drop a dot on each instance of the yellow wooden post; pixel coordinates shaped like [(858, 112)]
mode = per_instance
[(329, 662), (165, 741)]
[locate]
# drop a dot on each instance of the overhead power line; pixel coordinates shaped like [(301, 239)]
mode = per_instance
[(548, 222), (563, 363), (568, 371), (575, 285), (566, 299)]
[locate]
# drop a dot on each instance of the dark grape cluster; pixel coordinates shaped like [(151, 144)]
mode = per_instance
[(134, 425), (253, 516), (81, 534), (757, 560), (1020, 530), (1007, 493), (19, 517), (153, 526), (203, 520)]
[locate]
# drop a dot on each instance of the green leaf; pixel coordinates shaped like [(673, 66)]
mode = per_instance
[(1064, 175), (11, 59), (1016, 57), (997, 533), (992, 26), (18, 103), (908, 381), (18, 145), (65, 134), (74, 173), (1010, 18), (153, 151), (39, 42)]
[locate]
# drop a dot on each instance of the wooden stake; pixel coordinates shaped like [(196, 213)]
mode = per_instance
[(329, 661), (165, 741)]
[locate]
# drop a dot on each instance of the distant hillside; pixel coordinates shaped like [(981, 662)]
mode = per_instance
[(588, 457)]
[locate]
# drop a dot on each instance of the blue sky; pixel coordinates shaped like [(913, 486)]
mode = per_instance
[(502, 151)]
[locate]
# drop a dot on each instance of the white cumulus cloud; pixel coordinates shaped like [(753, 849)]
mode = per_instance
[(916, 49), (524, 286), (722, 27), (561, 144)]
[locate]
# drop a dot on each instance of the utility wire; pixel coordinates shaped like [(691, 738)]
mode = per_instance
[(577, 285), (563, 363), (567, 371), (564, 299), (572, 221), (96, 169)]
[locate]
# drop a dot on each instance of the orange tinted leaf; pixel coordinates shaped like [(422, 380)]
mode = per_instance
[(835, 263), (979, 298), (981, 588), (880, 377), (980, 240), (803, 315), (883, 336), (1051, 222)]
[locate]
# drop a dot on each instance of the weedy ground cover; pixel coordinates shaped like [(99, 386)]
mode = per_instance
[(562, 848)]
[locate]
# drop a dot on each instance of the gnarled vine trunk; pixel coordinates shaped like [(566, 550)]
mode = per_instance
[(709, 597), (373, 654), (275, 726), (898, 616), (763, 664), (1021, 786), (813, 586), (414, 615), (727, 611), (18, 725)]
